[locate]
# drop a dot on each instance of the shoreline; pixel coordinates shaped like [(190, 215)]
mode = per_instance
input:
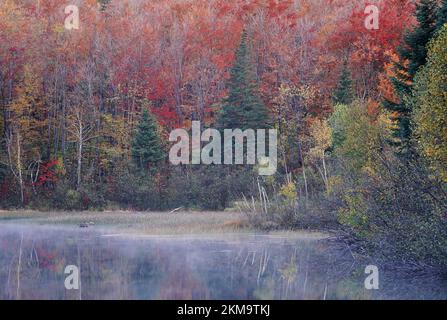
[(142, 224)]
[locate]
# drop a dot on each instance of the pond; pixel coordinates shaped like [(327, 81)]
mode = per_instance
[(34, 258)]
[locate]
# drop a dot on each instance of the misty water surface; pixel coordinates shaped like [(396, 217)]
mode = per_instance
[(33, 260)]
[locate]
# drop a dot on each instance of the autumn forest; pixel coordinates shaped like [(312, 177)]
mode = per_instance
[(356, 90)]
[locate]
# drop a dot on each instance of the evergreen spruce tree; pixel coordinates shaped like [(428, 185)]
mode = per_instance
[(243, 108), (146, 147), (103, 4), (343, 92), (415, 52)]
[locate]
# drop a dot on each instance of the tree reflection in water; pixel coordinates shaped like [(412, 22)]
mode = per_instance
[(223, 267)]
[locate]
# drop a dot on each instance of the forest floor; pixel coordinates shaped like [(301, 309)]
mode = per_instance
[(148, 223)]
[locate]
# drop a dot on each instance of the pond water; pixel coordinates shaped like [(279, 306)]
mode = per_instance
[(33, 260)]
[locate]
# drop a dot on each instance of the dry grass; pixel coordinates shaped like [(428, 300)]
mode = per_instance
[(156, 223), (150, 223)]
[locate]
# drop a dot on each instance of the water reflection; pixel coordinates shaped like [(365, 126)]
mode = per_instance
[(33, 259)]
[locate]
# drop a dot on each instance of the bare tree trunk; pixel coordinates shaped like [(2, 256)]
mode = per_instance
[(305, 182), (19, 167), (304, 171), (326, 180), (80, 145), (63, 125)]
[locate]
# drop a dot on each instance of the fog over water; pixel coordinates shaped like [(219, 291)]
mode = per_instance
[(33, 259)]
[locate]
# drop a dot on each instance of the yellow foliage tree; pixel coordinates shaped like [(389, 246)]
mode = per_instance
[(321, 141), (430, 99), (24, 135)]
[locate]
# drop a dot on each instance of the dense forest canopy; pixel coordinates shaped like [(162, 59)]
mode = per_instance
[(173, 57)]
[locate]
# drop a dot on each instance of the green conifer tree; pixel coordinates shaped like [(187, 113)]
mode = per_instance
[(103, 4), (243, 108), (414, 51), (442, 15), (146, 147), (343, 92)]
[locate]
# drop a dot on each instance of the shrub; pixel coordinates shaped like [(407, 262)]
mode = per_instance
[(72, 200)]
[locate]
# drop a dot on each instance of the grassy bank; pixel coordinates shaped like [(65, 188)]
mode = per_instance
[(145, 223)]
